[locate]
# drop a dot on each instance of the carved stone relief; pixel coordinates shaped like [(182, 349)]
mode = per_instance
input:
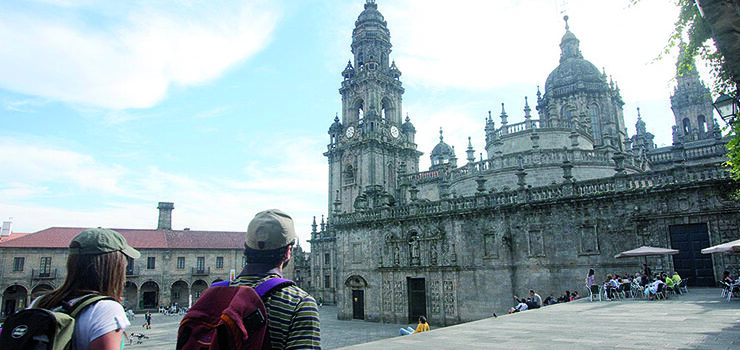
[(449, 298)]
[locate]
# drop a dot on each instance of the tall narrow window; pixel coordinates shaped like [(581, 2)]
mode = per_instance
[(686, 126), (129, 266), (200, 264), (45, 266), (151, 262), (180, 262), (702, 124), (595, 124), (18, 263), (327, 281), (219, 262), (327, 259)]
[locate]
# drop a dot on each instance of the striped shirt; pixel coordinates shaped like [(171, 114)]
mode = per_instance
[(292, 314)]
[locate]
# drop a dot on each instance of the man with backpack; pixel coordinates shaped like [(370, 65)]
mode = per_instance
[(292, 320)]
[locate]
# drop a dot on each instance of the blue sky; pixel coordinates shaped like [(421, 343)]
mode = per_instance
[(222, 107)]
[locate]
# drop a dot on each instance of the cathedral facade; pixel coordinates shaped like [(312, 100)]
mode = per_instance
[(556, 194)]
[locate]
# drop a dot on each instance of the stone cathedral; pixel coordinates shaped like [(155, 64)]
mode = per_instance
[(560, 191)]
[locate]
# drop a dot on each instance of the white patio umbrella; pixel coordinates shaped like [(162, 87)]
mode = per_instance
[(646, 251), (729, 247)]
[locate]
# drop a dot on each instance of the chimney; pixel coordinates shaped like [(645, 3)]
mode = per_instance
[(165, 215), (6, 228)]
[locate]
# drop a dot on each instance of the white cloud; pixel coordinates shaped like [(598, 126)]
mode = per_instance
[(101, 194), (131, 62)]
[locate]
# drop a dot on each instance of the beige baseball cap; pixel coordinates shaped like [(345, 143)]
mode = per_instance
[(269, 230)]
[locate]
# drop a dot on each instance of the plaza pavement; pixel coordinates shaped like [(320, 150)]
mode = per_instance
[(699, 320), (334, 333)]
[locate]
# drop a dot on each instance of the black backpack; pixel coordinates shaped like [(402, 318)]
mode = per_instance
[(42, 329)]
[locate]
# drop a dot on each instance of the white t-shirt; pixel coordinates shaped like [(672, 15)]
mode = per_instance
[(96, 320)]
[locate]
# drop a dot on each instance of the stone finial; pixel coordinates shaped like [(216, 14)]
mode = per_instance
[(313, 225), (565, 18)]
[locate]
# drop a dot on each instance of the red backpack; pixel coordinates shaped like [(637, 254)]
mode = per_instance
[(226, 317)]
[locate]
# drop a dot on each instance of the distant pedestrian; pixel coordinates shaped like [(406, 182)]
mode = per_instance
[(148, 318)]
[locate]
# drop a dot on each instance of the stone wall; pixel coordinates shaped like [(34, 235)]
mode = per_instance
[(475, 252)]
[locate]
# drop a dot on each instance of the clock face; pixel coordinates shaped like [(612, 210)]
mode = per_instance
[(394, 131), (350, 132)]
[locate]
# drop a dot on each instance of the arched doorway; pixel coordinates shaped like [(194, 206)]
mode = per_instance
[(179, 293), (130, 293), (40, 289), (356, 285), (14, 299), (198, 287), (149, 295)]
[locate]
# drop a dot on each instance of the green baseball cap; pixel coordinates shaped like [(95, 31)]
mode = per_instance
[(96, 241), (269, 230)]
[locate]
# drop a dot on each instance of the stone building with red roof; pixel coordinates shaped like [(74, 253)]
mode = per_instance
[(174, 268)]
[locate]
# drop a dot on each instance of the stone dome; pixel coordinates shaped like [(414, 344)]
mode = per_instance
[(574, 72), (442, 149), (371, 14)]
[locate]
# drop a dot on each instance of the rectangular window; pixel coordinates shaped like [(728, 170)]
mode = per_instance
[(151, 262), (200, 264), (327, 259), (129, 266), (219, 262), (180, 262), (45, 266), (327, 281), (244, 261), (18, 263)]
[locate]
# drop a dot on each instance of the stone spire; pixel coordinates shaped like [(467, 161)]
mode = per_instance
[(470, 152)]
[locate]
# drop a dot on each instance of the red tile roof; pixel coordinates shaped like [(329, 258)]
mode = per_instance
[(59, 237)]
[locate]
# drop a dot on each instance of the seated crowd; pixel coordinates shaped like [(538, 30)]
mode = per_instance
[(652, 286), (534, 301)]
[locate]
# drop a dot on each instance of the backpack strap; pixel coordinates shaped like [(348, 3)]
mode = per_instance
[(268, 286), (221, 284), (83, 302)]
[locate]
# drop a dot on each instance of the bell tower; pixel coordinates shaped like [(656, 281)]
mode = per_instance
[(691, 103), (371, 144)]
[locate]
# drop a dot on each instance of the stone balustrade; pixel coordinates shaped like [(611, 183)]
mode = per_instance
[(607, 186)]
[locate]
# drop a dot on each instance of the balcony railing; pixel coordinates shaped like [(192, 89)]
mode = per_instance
[(38, 274), (201, 271)]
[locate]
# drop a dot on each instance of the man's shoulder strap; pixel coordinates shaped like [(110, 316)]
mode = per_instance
[(83, 302), (263, 288), (266, 287)]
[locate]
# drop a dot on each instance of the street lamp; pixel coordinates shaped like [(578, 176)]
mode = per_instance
[(727, 107)]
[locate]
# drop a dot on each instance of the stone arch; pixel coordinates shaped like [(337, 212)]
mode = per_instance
[(179, 293), (567, 115), (388, 110), (197, 288), (355, 282), (702, 124), (15, 297), (130, 295), (41, 288), (358, 110), (686, 126), (149, 295)]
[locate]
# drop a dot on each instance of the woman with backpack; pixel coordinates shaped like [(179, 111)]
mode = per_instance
[(96, 265)]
